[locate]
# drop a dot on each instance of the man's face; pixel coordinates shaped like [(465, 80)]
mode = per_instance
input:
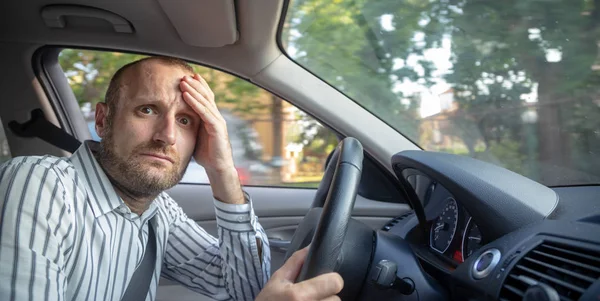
[(148, 141)]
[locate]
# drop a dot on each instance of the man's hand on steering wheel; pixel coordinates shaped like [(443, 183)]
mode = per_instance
[(282, 286)]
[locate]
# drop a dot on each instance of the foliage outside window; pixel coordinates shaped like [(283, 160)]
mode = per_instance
[(515, 83)]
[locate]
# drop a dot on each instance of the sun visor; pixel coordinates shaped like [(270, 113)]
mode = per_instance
[(203, 23), (90, 18)]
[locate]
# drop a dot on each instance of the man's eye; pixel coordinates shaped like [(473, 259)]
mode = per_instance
[(184, 120), (146, 110)]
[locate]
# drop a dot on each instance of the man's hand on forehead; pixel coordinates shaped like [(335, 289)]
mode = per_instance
[(198, 95), (213, 150)]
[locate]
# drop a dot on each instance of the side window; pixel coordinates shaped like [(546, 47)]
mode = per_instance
[(4, 151), (273, 142)]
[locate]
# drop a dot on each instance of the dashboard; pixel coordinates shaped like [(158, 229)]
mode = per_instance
[(484, 233)]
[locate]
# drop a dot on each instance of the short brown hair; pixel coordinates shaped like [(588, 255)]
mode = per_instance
[(114, 88)]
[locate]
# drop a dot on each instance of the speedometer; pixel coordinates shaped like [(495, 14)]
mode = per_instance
[(471, 239), (444, 227)]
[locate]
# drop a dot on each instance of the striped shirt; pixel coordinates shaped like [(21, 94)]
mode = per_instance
[(66, 235)]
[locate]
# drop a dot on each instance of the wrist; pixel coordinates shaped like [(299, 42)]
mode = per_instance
[(225, 173), (226, 186)]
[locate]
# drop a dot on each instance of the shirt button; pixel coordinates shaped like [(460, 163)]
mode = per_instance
[(241, 218)]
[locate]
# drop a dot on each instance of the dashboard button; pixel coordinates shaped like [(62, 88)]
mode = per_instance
[(485, 263)]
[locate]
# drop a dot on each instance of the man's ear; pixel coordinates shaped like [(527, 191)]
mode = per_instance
[(101, 122)]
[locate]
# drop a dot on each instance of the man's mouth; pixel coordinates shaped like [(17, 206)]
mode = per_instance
[(159, 157)]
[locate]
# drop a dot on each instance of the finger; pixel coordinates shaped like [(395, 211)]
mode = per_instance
[(200, 98), (202, 111), (194, 85), (322, 286), (205, 84), (200, 79), (291, 268), (197, 85)]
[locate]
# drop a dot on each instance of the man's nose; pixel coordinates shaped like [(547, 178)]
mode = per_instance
[(166, 130)]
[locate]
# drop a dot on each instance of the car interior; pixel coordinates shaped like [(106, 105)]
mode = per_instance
[(399, 220)]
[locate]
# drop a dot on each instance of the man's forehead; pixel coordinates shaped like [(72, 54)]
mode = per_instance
[(156, 71), (154, 79)]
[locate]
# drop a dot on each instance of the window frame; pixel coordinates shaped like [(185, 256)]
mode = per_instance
[(56, 87), (4, 140), (65, 102), (49, 71)]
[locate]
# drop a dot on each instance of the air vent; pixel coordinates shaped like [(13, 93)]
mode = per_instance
[(569, 270), (394, 221)]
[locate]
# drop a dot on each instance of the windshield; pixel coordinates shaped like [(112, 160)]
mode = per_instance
[(515, 83)]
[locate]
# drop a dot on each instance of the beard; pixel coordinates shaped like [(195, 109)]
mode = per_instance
[(132, 175)]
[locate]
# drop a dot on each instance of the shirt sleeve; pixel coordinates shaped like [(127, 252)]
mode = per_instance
[(33, 231), (229, 267)]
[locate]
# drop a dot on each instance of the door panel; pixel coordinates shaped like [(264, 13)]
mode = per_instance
[(283, 228), (280, 210), (196, 201)]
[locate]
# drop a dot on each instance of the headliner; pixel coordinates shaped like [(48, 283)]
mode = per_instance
[(155, 32)]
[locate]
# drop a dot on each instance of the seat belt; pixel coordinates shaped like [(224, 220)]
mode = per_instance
[(39, 126), (139, 285)]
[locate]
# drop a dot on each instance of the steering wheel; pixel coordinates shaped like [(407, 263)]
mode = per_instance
[(339, 243), (325, 225)]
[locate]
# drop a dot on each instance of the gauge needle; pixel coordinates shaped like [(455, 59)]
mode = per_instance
[(475, 238), (440, 226)]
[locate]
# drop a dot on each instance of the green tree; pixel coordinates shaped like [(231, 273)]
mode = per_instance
[(514, 46), (345, 48), (501, 51)]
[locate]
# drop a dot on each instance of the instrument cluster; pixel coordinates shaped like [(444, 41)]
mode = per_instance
[(453, 233)]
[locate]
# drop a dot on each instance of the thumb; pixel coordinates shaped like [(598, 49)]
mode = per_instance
[(291, 268)]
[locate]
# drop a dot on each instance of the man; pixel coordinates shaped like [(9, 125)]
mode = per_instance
[(78, 228)]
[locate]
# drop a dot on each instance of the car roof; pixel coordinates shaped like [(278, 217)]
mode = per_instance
[(235, 36)]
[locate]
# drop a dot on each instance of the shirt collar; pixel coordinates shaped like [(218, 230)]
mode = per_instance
[(103, 197)]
